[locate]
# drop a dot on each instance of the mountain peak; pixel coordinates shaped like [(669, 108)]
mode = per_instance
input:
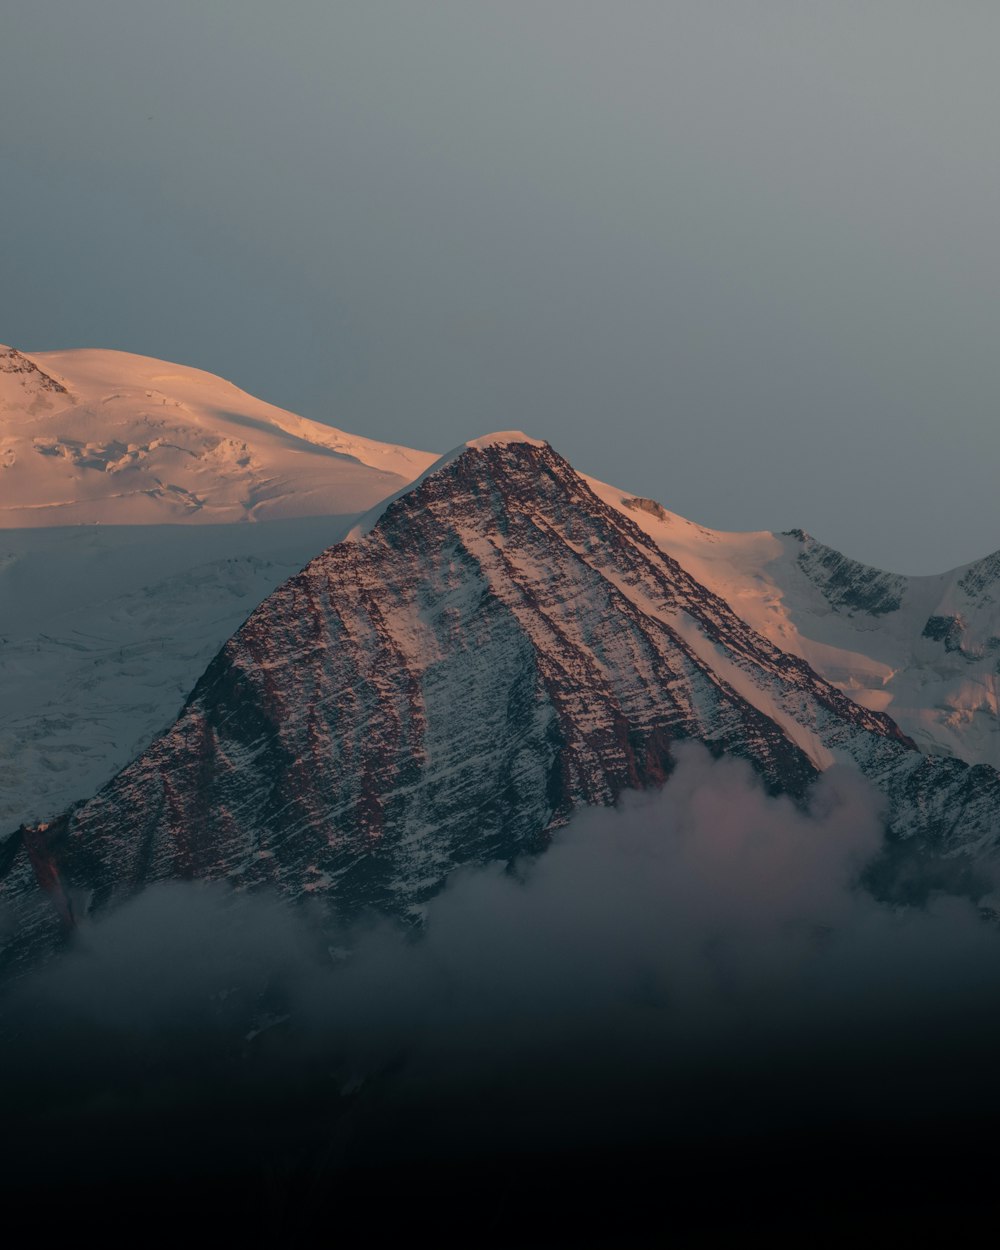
[(500, 438), (15, 364), (486, 442)]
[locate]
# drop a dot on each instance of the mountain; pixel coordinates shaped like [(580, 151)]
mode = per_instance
[(101, 437), (145, 510), (490, 649), (924, 649)]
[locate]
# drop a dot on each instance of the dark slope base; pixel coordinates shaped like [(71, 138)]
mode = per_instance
[(854, 1185), (823, 1145)]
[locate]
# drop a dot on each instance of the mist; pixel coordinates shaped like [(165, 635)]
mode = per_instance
[(699, 969)]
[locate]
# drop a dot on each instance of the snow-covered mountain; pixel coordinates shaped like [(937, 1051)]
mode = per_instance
[(924, 649), (500, 641), (122, 571), (101, 437), (489, 650)]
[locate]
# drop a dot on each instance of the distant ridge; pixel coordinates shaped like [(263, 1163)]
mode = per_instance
[(107, 437), (924, 649)]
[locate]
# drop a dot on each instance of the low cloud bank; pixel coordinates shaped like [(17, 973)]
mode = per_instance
[(695, 965)]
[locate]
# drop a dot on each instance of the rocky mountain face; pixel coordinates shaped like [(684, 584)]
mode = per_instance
[(490, 650), (25, 379), (848, 585), (938, 638)]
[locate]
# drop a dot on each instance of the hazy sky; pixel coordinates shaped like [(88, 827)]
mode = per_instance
[(740, 256)]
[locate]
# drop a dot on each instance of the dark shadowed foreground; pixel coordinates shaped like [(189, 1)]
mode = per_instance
[(687, 1010)]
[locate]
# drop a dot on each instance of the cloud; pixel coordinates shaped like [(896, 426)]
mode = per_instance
[(695, 965)]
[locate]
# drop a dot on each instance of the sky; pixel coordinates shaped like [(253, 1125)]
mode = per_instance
[(736, 255)]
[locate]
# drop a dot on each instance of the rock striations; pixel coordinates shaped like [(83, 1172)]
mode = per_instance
[(924, 649), (492, 649)]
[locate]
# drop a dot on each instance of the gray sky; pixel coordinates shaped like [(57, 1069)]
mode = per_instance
[(740, 256)]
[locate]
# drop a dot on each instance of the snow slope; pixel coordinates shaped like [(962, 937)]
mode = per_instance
[(926, 650), (106, 437), (104, 630)]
